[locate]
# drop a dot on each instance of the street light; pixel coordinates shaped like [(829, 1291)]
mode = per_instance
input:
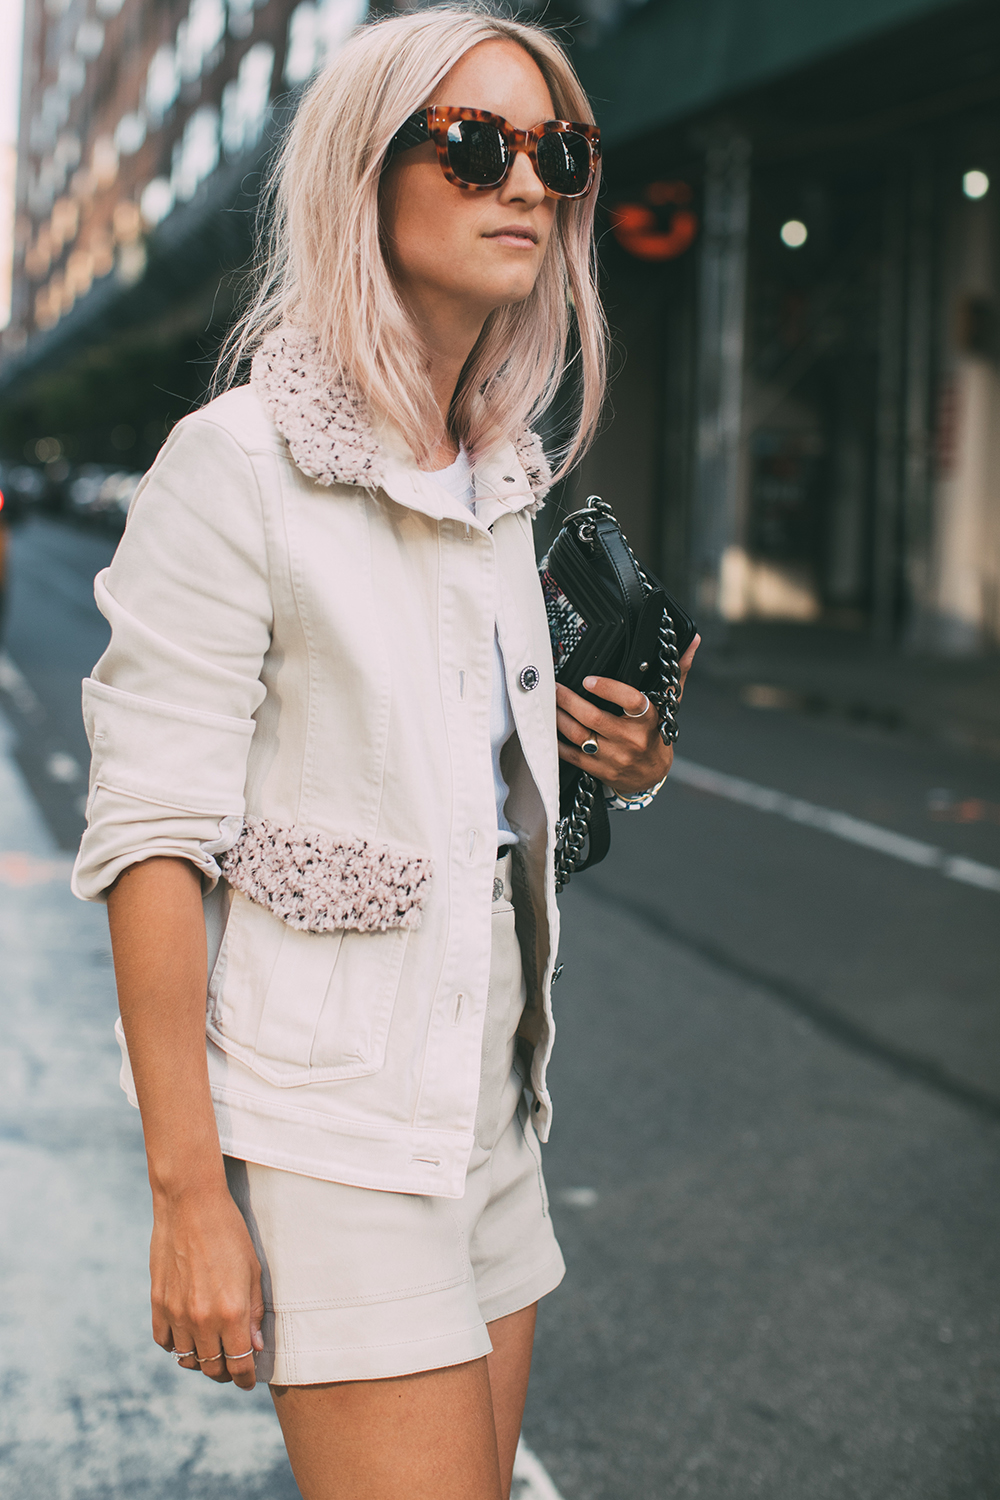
[(975, 184), (794, 234)]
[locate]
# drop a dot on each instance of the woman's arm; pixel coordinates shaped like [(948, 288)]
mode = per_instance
[(205, 1275)]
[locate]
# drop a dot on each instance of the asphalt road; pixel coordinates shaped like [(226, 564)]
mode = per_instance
[(774, 1163)]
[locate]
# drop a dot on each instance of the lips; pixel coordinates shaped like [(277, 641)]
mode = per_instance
[(521, 232)]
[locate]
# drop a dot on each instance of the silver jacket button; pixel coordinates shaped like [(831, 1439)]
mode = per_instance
[(529, 678)]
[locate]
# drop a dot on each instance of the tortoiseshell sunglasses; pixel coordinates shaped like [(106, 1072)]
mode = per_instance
[(476, 149)]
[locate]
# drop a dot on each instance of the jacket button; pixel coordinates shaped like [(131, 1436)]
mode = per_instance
[(529, 678), (508, 479)]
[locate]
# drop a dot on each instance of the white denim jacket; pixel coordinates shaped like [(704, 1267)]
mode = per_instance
[(296, 698)]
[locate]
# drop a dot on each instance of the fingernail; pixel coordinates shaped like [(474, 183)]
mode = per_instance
[(590, 682)]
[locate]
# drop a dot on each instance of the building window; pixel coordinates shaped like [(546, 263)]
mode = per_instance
[(196, 154), (157, 200), (316, 34), (199, 38), (162, 82), (245, 100)]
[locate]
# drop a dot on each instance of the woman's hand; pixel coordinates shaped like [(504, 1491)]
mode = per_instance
[(631, 757), (206, 1291)]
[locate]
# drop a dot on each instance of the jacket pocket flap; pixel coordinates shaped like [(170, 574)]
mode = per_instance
[(319, 882)]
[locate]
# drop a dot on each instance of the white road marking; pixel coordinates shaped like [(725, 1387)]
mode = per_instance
[(531, 1481), (62, 767), (841, 825), (577, 1197), (17, 687)]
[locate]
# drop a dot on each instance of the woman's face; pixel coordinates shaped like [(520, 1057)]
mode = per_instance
[(465, 252)]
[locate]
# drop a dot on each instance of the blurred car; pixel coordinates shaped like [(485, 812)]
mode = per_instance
[(101, 495), (24, 487)]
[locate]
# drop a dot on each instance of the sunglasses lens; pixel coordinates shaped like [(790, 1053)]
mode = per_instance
[(563, 159), (477, 152)]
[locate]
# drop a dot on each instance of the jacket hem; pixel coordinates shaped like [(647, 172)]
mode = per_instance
[(357, 1153)]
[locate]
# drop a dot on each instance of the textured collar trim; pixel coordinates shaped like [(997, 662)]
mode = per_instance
[(322, 422)]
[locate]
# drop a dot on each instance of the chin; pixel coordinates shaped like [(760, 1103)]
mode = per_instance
[(518, 289)]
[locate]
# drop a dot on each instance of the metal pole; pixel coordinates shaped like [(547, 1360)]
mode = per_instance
[(889, 417), (916, 518), (722, 305)]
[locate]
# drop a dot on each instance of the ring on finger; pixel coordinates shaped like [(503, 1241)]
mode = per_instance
[(641, 715), (180, 1354), (207, 1359), (590, 746)]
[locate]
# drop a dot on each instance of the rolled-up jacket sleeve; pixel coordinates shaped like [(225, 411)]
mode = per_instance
[(169, 707)]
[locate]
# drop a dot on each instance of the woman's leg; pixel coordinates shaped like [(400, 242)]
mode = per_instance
[(509, 1366), (419, 1437), (440, 1435)]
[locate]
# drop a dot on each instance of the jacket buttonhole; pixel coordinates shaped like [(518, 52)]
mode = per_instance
[(427, 1161)]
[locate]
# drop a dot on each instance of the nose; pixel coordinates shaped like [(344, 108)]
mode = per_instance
[(523, 185)]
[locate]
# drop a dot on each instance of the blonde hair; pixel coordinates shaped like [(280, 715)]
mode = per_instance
[(326, 271)]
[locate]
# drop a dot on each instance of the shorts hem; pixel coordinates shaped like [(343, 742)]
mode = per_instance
[(333, 1366), (512, 1299)]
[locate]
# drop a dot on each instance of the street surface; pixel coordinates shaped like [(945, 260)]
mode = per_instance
[(774, 1162)]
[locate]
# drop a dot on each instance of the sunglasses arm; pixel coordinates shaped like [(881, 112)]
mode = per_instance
[(412, 132)]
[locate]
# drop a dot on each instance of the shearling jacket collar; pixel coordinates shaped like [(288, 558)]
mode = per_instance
[(331, 440)]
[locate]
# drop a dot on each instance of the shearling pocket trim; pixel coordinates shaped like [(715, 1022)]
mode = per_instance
[(319, 883)]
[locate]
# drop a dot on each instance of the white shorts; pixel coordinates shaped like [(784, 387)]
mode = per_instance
[(362, 1285)]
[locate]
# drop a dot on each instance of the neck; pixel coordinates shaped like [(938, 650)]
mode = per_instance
[(449, 335)]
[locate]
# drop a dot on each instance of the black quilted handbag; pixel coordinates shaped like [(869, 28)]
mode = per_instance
[(608, 617)]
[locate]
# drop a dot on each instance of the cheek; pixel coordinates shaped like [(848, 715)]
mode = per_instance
[(431, 234)]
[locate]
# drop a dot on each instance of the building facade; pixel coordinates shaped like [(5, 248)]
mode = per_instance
[(799, 245), (806, 411)]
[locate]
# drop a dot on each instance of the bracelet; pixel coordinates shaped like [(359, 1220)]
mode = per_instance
[(623, 802)]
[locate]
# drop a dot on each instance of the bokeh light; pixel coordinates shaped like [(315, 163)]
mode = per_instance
[(794, 234)]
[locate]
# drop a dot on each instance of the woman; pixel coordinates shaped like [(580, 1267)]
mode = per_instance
[(325, 773)]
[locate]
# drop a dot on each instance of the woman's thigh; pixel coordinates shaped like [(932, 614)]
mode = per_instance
[(439, 1435)]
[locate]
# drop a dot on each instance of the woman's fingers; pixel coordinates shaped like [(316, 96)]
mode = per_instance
[(628, 698), (609, 726), (630, 755), (685, 663), (184, 1348)]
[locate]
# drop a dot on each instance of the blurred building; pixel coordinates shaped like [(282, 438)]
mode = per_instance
[(144, 127), (799, 243)]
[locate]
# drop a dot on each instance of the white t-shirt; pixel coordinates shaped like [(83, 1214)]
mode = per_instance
[(457, 480)]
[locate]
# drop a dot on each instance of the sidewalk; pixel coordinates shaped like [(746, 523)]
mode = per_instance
[(818, 670)]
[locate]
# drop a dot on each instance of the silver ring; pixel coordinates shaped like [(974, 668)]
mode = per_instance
[(637, 716), (590, 747), (241, 1356), (180, 1354)]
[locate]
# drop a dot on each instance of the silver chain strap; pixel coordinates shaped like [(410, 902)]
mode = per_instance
[(664, 698), (571, 831)]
